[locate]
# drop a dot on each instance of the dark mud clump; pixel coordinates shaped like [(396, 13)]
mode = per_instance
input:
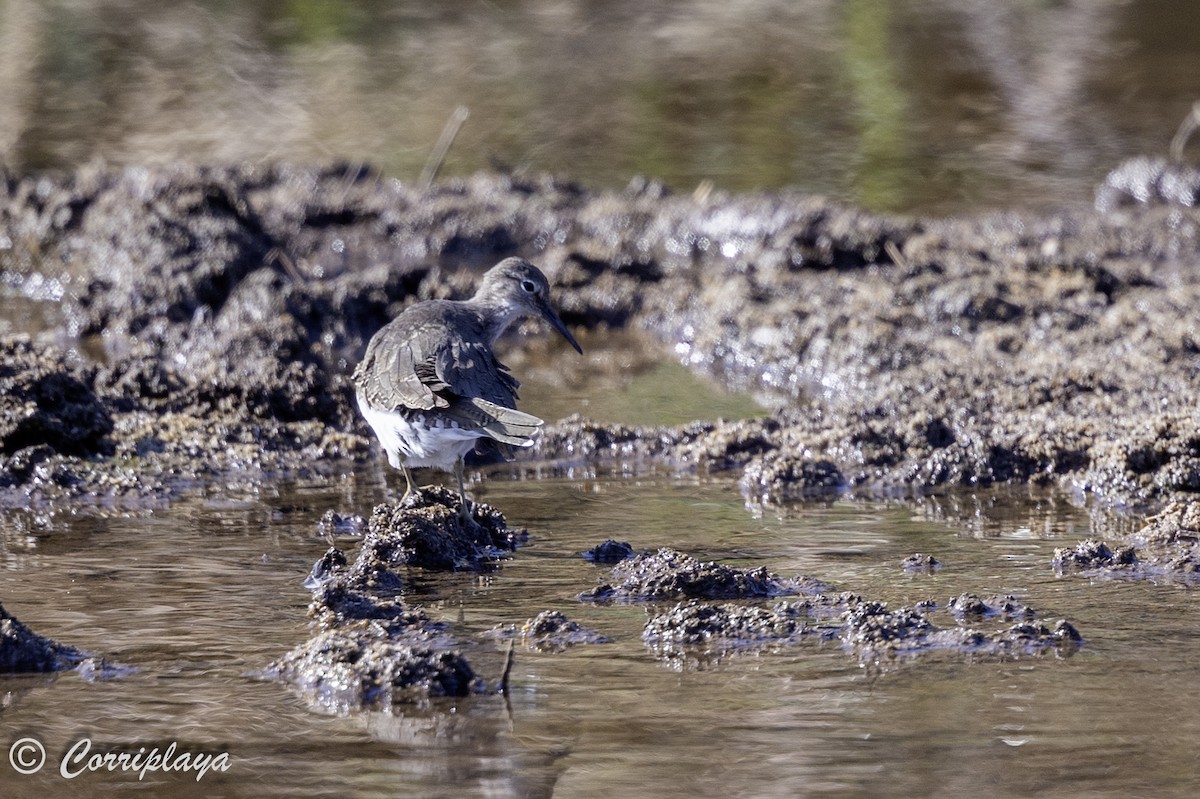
[(868, 629), (427, 531), (920, 563), (551, 628), (878, 635), (369, 648), (1166, 547), (551, 631), (46, 403), (335, 606), (787, 478), (23, 651), (1093, 555), (51, 418), (609, 551), (670, 574), (349, 669), (694, 624), (971, 607)]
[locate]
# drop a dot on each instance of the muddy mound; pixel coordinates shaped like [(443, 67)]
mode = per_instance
[(339, 669), (550, 631), (878, 635), (46, 402), (1167, 547), (670, 574), (609, 551), (369, 648), (428, 531), (870, 631), (905, 354), (920, 563), (696, 624)]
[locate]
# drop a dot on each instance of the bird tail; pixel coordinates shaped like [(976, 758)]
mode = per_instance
[(506, 425)]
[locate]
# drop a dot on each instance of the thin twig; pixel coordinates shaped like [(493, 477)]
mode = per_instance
[(1186, 128), (508, 662), (278, 256), (456, 120), (894, 253)]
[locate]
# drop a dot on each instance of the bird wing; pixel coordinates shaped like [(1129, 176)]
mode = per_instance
[(420, 368), (470, 369), (481, 392), (391, 374)]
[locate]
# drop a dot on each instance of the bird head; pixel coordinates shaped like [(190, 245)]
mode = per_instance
[(520, 289)]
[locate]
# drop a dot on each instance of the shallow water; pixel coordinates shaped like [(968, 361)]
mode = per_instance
[(936, 107), (197, 597)]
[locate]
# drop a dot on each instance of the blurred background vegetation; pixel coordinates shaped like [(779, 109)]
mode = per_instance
[(940, 106)]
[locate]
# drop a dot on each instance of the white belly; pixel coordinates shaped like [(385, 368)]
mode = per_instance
[(414, 444)]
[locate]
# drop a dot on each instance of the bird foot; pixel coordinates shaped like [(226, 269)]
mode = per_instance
[(466, 513)]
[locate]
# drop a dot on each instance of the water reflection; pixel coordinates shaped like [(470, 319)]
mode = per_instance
[(936, 106), (622, 379)]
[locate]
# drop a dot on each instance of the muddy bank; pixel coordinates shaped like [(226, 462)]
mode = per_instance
[(231, 303), (370, 649)]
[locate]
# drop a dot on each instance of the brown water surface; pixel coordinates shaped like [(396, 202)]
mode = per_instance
[(199, 596), (940, 106)]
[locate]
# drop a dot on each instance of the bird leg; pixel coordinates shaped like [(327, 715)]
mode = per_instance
[(465, 508), (408, 483)]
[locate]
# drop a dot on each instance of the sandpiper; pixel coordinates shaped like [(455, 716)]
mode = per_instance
[(430, 385)]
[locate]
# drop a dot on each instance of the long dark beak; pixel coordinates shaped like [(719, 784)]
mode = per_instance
[(550, 316)]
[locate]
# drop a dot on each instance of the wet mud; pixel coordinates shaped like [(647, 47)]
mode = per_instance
[(694, 626), (609, 551), (427, 531), (696, 632), (700, 629), (920, 563), (550, 631), (370, 649), (1167, 547), (670, 574), (228, 304), (22, 651), (212, 315), (353, 670), (878, 635)]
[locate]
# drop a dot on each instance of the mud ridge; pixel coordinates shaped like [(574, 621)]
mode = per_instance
[(230, 302)]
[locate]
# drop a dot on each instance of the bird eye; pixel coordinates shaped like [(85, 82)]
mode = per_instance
[(529, 286)]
